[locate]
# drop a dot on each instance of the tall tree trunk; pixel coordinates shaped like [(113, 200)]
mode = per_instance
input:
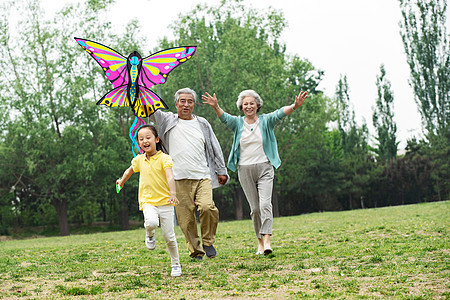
[(350, 200), (103, 209), (238, 200), (124, 212), (63, 220), (438, 190)]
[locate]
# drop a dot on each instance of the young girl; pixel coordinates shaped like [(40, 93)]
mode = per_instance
[(157, 192)]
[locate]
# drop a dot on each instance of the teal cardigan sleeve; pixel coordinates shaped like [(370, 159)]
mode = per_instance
[(267, 123)]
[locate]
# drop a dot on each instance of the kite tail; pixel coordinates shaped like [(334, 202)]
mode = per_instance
[(138, 122)]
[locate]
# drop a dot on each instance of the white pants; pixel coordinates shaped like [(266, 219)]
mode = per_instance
[(153, 216)]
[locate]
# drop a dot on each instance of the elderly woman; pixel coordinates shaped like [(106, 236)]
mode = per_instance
[(254, 153)]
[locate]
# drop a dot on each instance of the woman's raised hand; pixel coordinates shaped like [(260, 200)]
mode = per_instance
[(211, 100), (300, 99)]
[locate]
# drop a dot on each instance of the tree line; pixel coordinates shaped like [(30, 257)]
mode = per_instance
[(60, 154)]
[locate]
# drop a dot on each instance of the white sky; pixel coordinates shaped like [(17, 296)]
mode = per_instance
[(349, 37)]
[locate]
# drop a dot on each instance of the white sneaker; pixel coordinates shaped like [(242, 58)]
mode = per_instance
[(176, 271), (150, 242)]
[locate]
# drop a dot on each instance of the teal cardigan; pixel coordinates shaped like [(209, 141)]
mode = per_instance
[(267, 123)]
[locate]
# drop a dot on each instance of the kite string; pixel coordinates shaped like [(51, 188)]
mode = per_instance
[(138, 122)]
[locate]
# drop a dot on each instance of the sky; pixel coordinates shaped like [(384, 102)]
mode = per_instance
[(345, 37)]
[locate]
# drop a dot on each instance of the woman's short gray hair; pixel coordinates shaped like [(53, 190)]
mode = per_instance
[(185, 91), (248, 93)]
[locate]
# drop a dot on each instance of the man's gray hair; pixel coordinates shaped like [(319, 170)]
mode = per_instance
[(247, 93), (185, 91)]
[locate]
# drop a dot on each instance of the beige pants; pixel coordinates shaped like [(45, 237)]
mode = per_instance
[(192, 193), (257, 182)]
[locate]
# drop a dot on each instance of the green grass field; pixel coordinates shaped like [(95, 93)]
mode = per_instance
[(393, 252)]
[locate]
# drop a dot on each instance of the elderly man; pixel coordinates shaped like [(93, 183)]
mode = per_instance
[(198, 167)]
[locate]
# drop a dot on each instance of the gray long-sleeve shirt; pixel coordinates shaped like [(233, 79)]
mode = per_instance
[(165, 121)]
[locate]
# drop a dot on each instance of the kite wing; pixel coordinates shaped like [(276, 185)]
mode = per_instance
[(115, 97), (113, 63), (148, 102), (156, 67)]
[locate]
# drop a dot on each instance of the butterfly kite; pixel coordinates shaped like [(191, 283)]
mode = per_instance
[(133, 76)]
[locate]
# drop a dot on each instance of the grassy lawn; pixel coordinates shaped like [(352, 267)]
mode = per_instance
[(394, 252)]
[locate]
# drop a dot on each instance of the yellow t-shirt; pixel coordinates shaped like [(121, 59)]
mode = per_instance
[(153, 185)]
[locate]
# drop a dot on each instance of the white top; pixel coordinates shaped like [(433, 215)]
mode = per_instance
[(187, 149), (251, 149)]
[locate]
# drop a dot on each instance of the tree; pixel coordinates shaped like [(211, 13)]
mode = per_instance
[(310, 176), (426, 44), (383, 119), (425, 39), (56, 128), (356, 160), (409, 177), (438, 152)]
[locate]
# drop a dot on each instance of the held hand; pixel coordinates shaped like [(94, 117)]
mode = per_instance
[(211, 100), (222, 179), (119, 185), (300, 99), (173, 200), (119, 182)]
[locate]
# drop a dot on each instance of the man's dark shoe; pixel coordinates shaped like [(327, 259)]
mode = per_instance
[(210, 251), (197, 258)]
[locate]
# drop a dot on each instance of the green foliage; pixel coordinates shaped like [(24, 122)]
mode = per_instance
[(60, 144), (439, 153), (425, 39), (310, 172), (6, 212), (357, 162), (422, 174), (424, 35), (408, 178), (383, 119), (60, 153)]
